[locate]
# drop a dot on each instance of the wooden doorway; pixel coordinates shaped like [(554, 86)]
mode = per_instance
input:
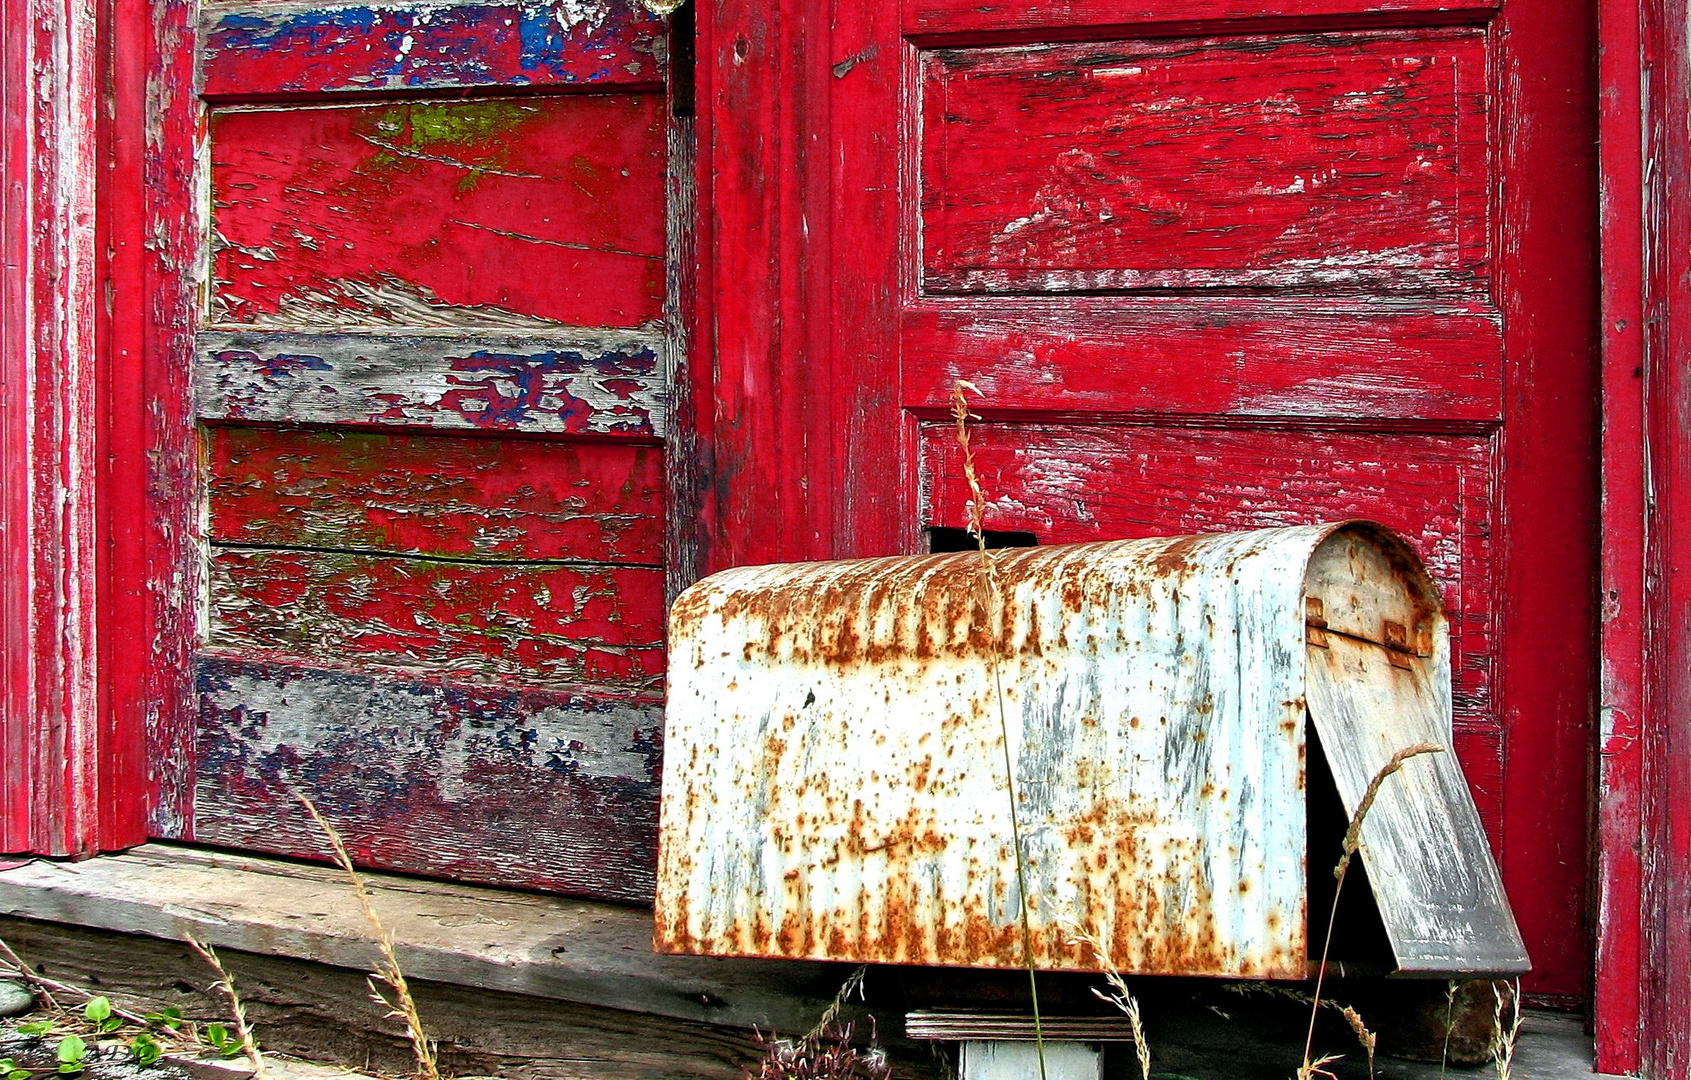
[(1210, 268)]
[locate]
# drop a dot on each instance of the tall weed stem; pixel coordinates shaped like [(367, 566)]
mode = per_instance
[(992, 592), (1353, 841)]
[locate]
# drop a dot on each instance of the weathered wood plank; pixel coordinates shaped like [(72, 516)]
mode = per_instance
[(1243, 356), (521, 787), (1439, 893), (266, 48), (590, 952), (579, 623), (1201, 163), (581, 383), (436, 494), (527, 212), (324, 1013), (1070, 483)]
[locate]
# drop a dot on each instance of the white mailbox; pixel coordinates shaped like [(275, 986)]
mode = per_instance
[(835, 782)]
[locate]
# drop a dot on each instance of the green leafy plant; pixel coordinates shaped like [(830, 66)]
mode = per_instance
[(72, 1053), (147, 1038), (98, 1013), (145, 1049), (221, 1040)]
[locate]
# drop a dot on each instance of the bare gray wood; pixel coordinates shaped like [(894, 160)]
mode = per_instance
[(1438, 891), (566, 381), (325, 1013), (546, 946)]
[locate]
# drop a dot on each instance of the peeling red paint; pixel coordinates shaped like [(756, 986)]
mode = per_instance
[(466, 214), (436, 495), (254, 49)]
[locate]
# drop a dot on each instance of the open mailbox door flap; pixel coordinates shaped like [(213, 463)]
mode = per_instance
[(1438, 891)]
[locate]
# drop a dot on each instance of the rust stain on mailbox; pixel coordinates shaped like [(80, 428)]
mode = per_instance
[(834, 775)]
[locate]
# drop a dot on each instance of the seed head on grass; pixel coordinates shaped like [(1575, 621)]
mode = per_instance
[(401, 1006), (1119, 995), (1352, 842), (1504, 1036), (237, 1010), (1367, 1039)]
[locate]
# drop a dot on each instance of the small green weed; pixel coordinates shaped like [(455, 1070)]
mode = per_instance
[(98, 1013), (145, 1049), (72, 1053), (67, 1041), (221, 1041)]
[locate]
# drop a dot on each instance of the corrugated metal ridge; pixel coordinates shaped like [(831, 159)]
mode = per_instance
[(840, 610), (834, 774)]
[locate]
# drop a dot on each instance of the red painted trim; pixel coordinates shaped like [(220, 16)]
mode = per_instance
[(157, 42), (1617, 863), (1643, 1013), (759, 373), (73, 770), (1665, 1033)]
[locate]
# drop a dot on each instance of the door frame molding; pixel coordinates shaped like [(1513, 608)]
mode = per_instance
[(97, 599), (1643, 857)]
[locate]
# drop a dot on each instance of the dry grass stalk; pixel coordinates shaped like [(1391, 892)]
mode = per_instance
[(826, 1051), (1119, 995), (1352, 841), (402, 1006), (993, 595), (237, 1010), (1449, 1022), (1367, 1039), (1503, 1037), (1309, 1070), (830, 1015), (826, 1054)]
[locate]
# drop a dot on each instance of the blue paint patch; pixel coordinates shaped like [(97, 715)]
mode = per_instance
[(280, 366), (473, 44)]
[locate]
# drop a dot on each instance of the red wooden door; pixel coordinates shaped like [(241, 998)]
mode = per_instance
[(1210, 268), (432, 377)]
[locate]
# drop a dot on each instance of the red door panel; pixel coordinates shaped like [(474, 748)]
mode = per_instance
[(444, 495), (535, 210), (1036, 175)]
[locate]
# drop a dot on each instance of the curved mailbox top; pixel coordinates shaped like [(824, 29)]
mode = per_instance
[(835, 757)]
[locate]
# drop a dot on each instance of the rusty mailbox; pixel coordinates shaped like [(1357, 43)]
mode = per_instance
[(835, 769)]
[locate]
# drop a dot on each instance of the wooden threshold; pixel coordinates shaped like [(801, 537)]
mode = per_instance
[(543, 946)]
